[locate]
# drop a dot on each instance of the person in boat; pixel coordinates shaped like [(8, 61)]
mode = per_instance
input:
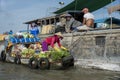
[(37, 47), (60, 26), (34, 29), (51, 41), (71, 23), (88, 20), (10, 32)]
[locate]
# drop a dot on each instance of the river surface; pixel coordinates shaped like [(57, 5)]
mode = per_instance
[(10, 71)]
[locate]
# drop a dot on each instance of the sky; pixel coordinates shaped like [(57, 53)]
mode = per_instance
[(13, 13)]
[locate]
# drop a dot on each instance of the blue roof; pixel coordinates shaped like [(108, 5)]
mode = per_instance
[(100, 20), (107, 20)]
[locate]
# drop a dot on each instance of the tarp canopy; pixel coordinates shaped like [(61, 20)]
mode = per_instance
[(114, 8), (108, 20), (80, 4), (24, 40)]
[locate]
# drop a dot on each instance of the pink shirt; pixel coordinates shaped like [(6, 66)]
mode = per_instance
[(52, 40)]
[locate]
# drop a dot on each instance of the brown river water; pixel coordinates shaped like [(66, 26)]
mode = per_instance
[(10, 71)]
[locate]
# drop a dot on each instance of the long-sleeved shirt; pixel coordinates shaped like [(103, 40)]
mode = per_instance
[(71, 24), (52, 40)]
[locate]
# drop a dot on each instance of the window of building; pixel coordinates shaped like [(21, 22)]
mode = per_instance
[(100, 40)]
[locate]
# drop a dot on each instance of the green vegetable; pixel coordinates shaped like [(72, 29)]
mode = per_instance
[(44, 55), (28, 52), (56, 55)]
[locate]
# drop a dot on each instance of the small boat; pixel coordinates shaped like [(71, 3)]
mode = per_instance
[(26, 51)]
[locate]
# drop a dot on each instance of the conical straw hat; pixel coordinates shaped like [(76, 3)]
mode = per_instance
[(59, 34)]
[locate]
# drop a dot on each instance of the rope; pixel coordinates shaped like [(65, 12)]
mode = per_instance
[(119, 3), (75, 7), (74, 16)]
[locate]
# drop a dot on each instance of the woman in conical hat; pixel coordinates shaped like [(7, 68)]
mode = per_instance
[(51, 41), (59, 34)]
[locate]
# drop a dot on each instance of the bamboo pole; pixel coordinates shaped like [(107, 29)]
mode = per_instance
[(111, 17)]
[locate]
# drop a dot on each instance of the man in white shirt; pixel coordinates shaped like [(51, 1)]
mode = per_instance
[(88, 21)]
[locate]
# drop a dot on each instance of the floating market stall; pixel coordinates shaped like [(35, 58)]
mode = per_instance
[(27, 50)]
